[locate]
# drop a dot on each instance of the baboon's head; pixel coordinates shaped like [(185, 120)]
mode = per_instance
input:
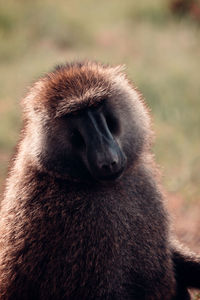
[(85, 121)]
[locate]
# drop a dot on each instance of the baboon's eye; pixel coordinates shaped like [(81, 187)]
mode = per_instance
[(77, 139), (112, 124), (98, 105)]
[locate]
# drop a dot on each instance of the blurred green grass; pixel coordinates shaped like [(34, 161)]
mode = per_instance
[(162, 55)]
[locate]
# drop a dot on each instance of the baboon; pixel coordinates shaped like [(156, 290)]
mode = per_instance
[(82, 215)]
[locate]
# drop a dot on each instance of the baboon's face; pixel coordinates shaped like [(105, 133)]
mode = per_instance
[(85, 144), (92, 136), (94, 143), (97, 140)]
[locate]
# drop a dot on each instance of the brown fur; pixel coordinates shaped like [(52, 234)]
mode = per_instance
[(73, 238)]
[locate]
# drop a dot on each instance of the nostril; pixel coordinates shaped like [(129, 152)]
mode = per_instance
[(114, 163)]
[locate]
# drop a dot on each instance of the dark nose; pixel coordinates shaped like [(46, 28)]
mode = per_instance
[(108, 163), (109, 166)]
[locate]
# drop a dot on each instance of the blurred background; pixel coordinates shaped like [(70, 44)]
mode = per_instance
[(158, 41)]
